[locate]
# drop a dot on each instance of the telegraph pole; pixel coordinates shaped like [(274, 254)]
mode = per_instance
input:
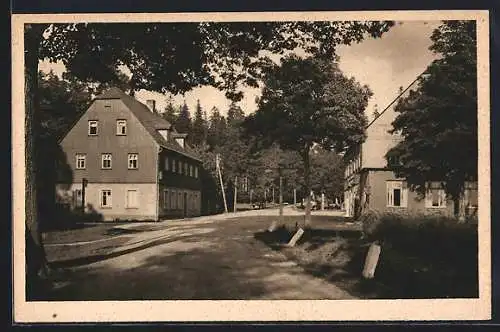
[(281, 196), (217, 164), (235, 192)]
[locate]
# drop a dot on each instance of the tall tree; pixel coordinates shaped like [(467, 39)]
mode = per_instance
[(183, 122), (217, 129), (199, 130), (307, 101), (441, 115), (235, 115), (170, 113), (225, 55)]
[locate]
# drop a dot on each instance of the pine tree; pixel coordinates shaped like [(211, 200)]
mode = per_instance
[(199, 129), (235, 115), (217, 129), (170, 114), (183, 122)]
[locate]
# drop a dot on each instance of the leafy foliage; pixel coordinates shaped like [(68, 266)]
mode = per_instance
[(438, 120), (308, 101), (225, 55)]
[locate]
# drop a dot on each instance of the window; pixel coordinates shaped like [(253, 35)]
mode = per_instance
[(167, 164), (121, 127), (133, 161), (186, 169), (132, 199), (393, 161), (397, 194), (191, 170), (196, 172), (93, 127), (179, 200), (173, 200), (106, 160), (166, 199), (471, 195), (106, 198), (80, 160), (77, 198), (180, 167), (173, 166), (435, 196)]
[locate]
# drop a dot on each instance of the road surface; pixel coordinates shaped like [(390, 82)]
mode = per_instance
[(210, 258)]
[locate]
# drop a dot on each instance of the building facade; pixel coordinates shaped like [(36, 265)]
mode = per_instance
[(125, 162), (371, 184)]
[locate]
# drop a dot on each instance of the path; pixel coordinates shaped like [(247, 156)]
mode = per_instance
[(205, 259)]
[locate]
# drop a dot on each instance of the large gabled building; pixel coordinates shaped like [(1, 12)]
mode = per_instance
[(371, 184), (125, 162)]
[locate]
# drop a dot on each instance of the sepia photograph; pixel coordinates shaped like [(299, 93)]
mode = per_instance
[(251, 166)]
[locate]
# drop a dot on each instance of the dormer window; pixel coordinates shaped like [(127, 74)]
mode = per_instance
[(164, 134), (121, 127), (180, 141)]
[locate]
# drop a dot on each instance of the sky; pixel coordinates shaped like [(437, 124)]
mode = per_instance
[(384, 64)]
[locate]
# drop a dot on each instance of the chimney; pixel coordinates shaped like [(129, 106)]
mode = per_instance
[(151, 105)]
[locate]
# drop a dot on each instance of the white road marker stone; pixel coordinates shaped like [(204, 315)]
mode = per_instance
[(371, 261), (296, 237), (273, 226)]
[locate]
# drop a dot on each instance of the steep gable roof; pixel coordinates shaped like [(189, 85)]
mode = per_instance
[(152, 122)]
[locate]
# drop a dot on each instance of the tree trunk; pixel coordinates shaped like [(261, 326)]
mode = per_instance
[(36, 261), (307, 175)]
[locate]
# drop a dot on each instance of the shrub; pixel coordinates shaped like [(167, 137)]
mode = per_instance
[(442, 246), (370, 222)]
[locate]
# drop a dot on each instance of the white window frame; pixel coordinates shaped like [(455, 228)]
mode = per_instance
[(470, 187), (131, 157), (403, 198), (81, 157), (180, 167), (106, 157), (441, 194), (121, 127), (174, 164), (196, 172), (93, 124), (191, 170), (109, 201), (127, 202)]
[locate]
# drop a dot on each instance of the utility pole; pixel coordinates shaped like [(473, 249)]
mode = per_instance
[(273, 193), (217, 165), (281, 196), (235, 192), (84, 185), (294, 197)]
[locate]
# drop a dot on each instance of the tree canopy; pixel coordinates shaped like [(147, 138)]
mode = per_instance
[(438, 120), (307, 101)]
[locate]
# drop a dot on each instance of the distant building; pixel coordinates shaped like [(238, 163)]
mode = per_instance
[(137, 167), (370, 183)]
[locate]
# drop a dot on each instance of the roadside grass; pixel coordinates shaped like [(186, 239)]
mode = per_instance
[(417, 263), (85, 232)]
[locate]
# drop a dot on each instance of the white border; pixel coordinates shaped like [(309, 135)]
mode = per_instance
[(304, 310)]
